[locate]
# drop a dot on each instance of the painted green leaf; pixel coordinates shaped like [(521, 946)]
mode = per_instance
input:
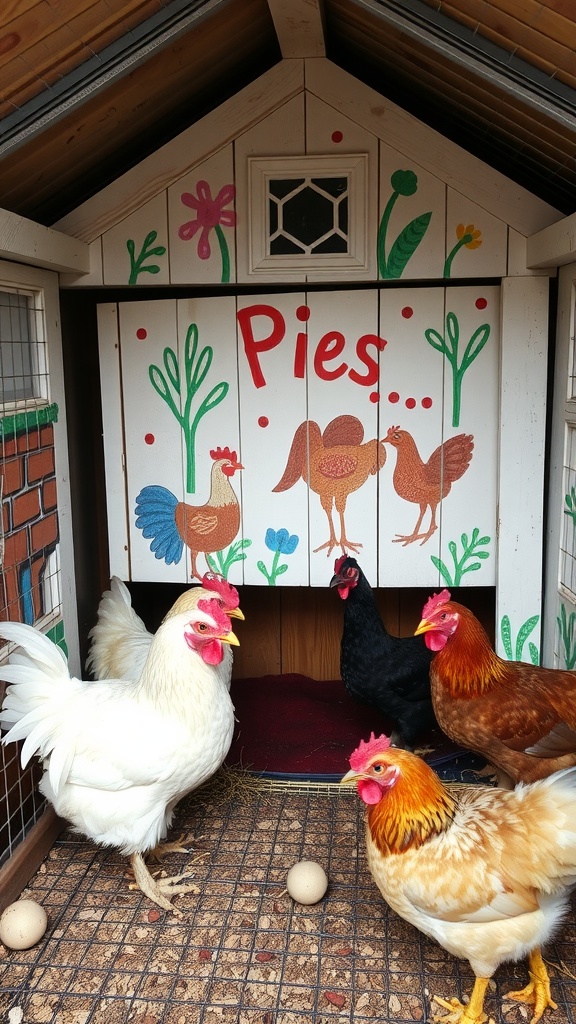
[(406, 244)]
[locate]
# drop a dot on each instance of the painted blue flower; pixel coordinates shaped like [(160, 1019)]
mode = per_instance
[(281, 541)]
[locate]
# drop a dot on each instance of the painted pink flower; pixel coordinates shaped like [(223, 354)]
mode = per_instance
[(210, 213)]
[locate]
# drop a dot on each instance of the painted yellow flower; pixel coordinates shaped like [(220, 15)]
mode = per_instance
[(468, 236)]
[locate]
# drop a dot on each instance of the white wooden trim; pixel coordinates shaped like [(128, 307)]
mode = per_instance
[(299, 27), (428, 148), (523, 372), (560, 412), (173, 160), (20, 276), (554, 246), (114, 455), (38, 246)]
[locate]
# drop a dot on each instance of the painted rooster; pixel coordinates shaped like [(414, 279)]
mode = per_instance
[(334, 463), (426, 484), (171, 524), (485, 872), (120, 642), (119, 754), (520, 717)]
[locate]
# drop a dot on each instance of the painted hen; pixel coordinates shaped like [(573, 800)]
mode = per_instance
[(388, 672), (334, 463), (520, 717), (426, 484), (485, 872), (171, 524), (120, 641), (118, 755)]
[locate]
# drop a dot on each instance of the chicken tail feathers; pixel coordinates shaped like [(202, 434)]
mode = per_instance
[(155, 515), (119, 642)]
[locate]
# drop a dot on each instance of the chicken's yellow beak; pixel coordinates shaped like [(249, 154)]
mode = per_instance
[(423, 627), (235, 613), (350, 778), (230, 638)]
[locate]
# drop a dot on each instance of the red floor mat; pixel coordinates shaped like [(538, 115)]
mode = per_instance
[(299, 727)]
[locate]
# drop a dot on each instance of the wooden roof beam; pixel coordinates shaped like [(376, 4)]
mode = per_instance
[(299, 27), (553, 246), (24, 241)]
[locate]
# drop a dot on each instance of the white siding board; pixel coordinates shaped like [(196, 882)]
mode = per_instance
[(113, 439), (118, 268)]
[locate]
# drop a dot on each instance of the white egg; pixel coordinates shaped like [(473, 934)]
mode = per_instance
[(22, 924), (307, 882)]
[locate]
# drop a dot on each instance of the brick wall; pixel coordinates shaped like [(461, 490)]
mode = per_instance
[(29, 512)]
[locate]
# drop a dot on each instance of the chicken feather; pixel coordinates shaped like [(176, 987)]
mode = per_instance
[(485, 872)]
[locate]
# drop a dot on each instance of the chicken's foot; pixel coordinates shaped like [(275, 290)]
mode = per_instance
[(163, 849), (158, 889), (465, 1013), (537, 990)]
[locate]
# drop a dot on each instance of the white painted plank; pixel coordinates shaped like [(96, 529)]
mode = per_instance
[(489, 188), (272, 407), (203, 256), (299, 27), (280, 133), (177, 157), (413, 201), (518, 258), (483, 256), (39, 246), (132, 249), (113, 439), (343, 357), (329, 132), (411, 395), (523, 374), (553, 246), (468, 512)]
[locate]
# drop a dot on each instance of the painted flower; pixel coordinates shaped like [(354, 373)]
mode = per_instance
[(210, 213), (281, 541), (468, 236), (404, 182)]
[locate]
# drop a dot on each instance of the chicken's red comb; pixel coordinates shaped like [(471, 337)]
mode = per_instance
[(223, 453), (339, 562), (210, 606), (434, 602), (364, 751), (218, 583)]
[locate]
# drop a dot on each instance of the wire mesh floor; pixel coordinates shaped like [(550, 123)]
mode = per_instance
[(244, 951)]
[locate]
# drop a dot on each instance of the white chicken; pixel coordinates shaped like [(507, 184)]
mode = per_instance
[(120, 641), (118, 755)]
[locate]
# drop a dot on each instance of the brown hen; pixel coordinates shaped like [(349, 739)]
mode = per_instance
[(334, 463), (427, 483)]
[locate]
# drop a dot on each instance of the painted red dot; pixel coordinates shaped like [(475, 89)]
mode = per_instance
[(481, 303), (263, 421), (410, 403), (374, 397), (393, 397), (407, 312), (426, 403), (141, 333), (303, 313), (337, 136), (149, 438)]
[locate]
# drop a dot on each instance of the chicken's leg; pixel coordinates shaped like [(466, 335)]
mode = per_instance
[(537, 990), (158, 889), (331, 543), (345, 544), (416, 535), (461, 1013)]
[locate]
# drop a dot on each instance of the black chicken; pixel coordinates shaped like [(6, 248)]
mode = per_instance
[(390, 673)]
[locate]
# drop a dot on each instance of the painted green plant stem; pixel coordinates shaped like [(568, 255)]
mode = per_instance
[(523, 634), (225, 254), (404, 183), (567, 627), (195, 372), (222, 562), (137, 265), (448, 344), (469, 561)]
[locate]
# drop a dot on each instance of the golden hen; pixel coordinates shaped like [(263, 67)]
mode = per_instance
[(520, 717), (118, 754), (485, 872)]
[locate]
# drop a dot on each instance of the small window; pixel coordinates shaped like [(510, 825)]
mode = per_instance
[(308, 213), (23, 370)]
